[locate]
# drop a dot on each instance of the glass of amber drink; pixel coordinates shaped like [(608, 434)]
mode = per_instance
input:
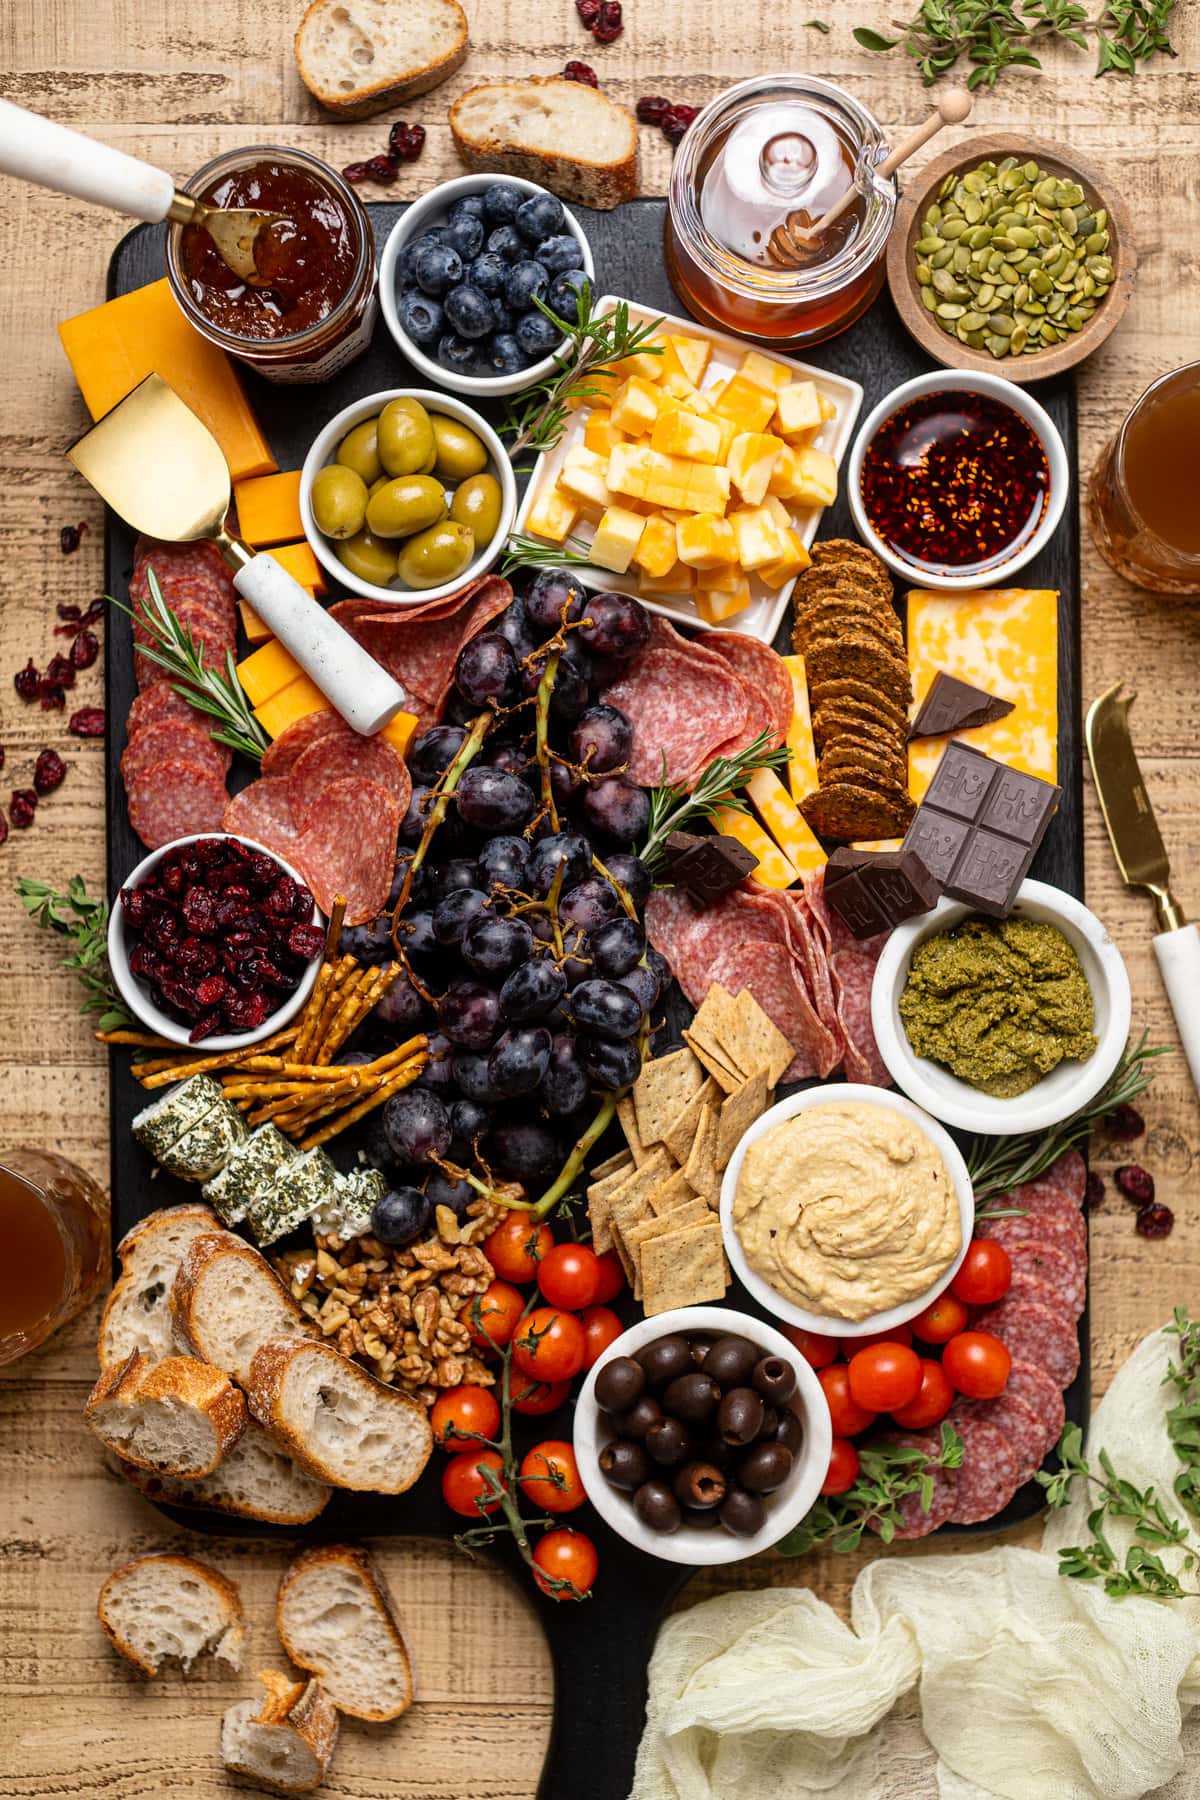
[(1142, 495), (53, 1246)]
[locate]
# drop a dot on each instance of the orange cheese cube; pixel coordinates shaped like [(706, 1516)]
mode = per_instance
[(778, 511), (759, 539), (827, 406), (722, 578), (268, 508), (693, 354), (552, 515), (656, 554), (681, 433), (679, 580), (794, 559), (715, 605), (797, 410), (642, 363), (302, 565), (764, 371), (617, 537), (264, 673), (252, 625), (752, 459), (705, 542), (748, 406), (635, 407), (293, 702), (399, 731), (582, 476), (599, 432), (707, 487)]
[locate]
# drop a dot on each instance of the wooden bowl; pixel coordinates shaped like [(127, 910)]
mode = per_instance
[(1056, 159)]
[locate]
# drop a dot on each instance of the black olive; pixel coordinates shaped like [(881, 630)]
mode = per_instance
[(742, 1514), (692, 1397), (699, 1347), (657, 1507), (730, 1360), (740, 1416), (624, 1464), (619, 1384), (765, 1467), (664, 1359), (667, 1442), (789, 1432), (770, 1423), (714, 1450), (703, 1518), (775, 1379), (640, 1417), (699, 1484)]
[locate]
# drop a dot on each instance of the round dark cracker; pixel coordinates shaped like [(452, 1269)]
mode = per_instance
[(822, 693), (848, 758), (841, 585), (837, 715), (864, 658), (840, 553), (856, 776), (837, 617), (845, 812)]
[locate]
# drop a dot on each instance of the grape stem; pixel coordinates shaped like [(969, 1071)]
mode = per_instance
[(574, 1163), (544, 691), (468, 751)]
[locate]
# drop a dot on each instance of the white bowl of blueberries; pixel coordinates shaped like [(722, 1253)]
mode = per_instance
[(460, 274)]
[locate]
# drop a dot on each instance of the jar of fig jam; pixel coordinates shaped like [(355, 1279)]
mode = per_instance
[(313, 306), (773, 149)]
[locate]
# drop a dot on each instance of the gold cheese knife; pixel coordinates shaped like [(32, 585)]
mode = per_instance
[(1142, 859)]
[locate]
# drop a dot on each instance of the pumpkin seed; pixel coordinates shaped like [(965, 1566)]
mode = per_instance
[(928, 299), (924, 274), (946, 309), (1097, 242), (941, 257), (953, 228), (927, 245), (1018, 340), (997, 345), (960, 262), (985, 295)]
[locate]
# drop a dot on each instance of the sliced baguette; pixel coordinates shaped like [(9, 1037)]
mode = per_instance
[(336, 1618), (570, 137), (137, 1316), (285, 1742), (226, 1300), (358, 57), (339, 1423), (179, 1416), (163, 1606), (257, 1480)]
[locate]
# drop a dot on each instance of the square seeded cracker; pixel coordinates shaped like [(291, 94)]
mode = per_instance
[(621, 1159), (627, 1119), (755, 1041), (671, 1193), (683, 1268), (739, 1113), (662, 1090), (717, 1067), (680, 1219), (700, 1170), (681, 1132)]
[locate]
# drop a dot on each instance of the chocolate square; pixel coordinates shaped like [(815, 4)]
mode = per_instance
[(979, 826), (989, 872), (875, 889), (954, 705), (851, 900), (937, 840), (707, 867), (961, 782)]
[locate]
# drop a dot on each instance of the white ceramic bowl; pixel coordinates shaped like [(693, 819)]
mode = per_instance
[(421, 216), (845, 1093), (324, 450), (961, 380), (785, 1507), (1058, 1094), (137, 997)]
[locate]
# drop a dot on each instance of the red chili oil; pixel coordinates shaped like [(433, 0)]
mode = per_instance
[(955, 481)]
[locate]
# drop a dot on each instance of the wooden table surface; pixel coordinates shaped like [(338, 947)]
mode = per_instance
[(176, 84)]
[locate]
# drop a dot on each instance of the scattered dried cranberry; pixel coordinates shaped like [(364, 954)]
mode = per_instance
[(48, 771), (580, 71), (70, 535), (652, 109), (85, 650), (22, 807), (676, 120), (73, 614), (305, 940), (355, 172), (27, 681), (1155, 1222), (60, 672), (87, 722), (2, 754), (588, 10), (405, 142), (609, 25), (3, 829), (96, 610), (1093, 1193), (381, 169), (1126, 1122), (53, 698), (1136, 1183)]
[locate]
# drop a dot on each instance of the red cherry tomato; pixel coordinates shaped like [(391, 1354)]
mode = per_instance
[(942, 1319), (601, 1327), (464, 1489), (549, 1477), (899, 1334), (818, 1352), (536, 1398), (568, 1276), (612, 1280), (885, 1376), (462, 1415), (550, 1345), (977, 1364), (843, 1467), (517, 1246), (849, 1418), (932, 1401), (565, 1555), (492, 1317), (985, 1274)]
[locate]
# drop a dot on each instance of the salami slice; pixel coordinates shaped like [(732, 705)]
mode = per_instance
[(1066, 1176), (918, 1522), (1053, 1266), (1042, 1334), (1029, 1382), (813, 955), (263, 811), (766, 680), (175, 798), (1019, 1421), (158, 702), (350, 848), (1052, 1228), (684, 703), (419, 645), (211, 632), (279, 757), (167, 739), (988, 1477), (340, 755), (853, 975), (182, 569)]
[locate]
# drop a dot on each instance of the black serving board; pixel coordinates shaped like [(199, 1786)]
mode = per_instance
[(599, 1653)]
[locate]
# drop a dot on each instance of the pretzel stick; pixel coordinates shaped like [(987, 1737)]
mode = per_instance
[(168, 1069), (355, 1009), (402, 1078), (335, 993), (141, 1040), (339, 1005), (333, 931)]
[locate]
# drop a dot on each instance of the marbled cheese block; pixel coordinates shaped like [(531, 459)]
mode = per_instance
[(775, 868), (778, 813), (802, 753)]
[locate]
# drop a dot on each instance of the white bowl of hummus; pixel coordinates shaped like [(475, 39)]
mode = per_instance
[(986, 1032), (846, 1210)]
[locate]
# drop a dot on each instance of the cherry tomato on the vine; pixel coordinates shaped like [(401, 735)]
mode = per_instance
[(601, 1327), (977, 1364), (942, 1319), (499, 1310), (536, 1398), (550, 1345), (462, 1415), (612, 1277), (848, 1417), (568, 1276), (464, 1489), (931, 1402), (885, 1376), (549, 1477), (565, 1555), (985, 1274), (517, 1246), (843, 1467), (817, 1351)]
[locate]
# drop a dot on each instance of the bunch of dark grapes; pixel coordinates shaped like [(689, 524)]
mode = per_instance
[(527, 969)]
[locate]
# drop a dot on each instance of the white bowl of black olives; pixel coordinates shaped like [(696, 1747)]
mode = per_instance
[(702, 1435)]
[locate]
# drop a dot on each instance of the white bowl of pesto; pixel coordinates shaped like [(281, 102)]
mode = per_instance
[(1053, 1096)]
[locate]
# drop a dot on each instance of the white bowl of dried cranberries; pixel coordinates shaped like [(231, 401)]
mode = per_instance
[(214, 941)]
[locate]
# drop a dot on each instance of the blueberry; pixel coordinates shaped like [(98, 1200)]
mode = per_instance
[(503, 318), (437, 268), (506, 356), (487, 273), (469, 206), (501, 203), (469, 311), (422, 318), (457, 354), (562, 299), (406, 261), (466, 235), (536, 335), (507, 242), (526, 281), (559, 253), (541, 217)]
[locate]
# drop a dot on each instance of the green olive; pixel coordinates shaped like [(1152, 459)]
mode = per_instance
[(477, 504), (405, 437), (359, 450), (439, 554), (406, 504), (459, 452), (368, 557), (339, 500)]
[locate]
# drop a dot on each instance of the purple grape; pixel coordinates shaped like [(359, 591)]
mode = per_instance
[(459, 872), (601, 738), (616, 625), (487, 669), (589, 904), (576, 961), (519, 1060), (661, 967), (416, 939), (552, 594), (437, 1074), (633, 875), (503, 862), (605, 1010), (469, 1125), (525, 1151), (493, 800), (569, 696), (610, 1066), (400, 1217), (493, 946), (401, 1008), (509, 757), (564, 784), (568, 850), (370, 942), (565, 1084), (469, 1015), (452, 915), (433, 752), (643, 984), (513, 626), (618, 946), (471, 1076), (421, 886), (417, 1125), (617, 809), (449, 1190), (532, 990), (414, 820)]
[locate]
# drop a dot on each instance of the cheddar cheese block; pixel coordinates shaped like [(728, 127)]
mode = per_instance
[(264, 673), (300, 563), (268, 508), (778, 813), (802, 752), (775, 868)]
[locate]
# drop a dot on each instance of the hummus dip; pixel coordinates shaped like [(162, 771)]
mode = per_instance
[(847, 1210)]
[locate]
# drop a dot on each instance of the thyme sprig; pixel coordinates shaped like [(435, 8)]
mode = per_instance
[(888, 1474), (994, 35), (522, 552), (593, 344), (1183, 1419), (672, 807), (83, 918)]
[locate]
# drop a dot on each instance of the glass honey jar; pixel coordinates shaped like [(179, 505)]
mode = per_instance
[(767, 154)]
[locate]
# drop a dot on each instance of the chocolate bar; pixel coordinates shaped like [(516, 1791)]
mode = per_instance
[(953, 705), (872, 890), (979, 826), (706, 867)]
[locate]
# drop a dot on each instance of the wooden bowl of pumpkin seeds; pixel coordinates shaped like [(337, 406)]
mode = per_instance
[(1011, 255)]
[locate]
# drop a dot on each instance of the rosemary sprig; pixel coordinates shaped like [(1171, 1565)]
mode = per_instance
[(537, 420), (523, 552), (998, 1164), (672, 806), (994, 35), (83, 918), (888, 1474), (210, 691)]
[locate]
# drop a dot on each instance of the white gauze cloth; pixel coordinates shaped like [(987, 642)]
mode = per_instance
[(961, 1677)]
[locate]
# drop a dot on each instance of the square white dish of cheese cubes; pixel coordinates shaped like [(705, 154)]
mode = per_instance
[(700, 481)]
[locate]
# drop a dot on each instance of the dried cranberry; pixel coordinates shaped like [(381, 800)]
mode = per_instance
[(161, 930), (172, 878), (1136, 1183), (652, 109), (580, 71), (264, 870), (70, 535), (53, 698), (381, 169), (676, 120), (212, 990), (22, 807), (609, 25), (306, 941), (355, 172), (204, 1027), (199, 911), (588, 10), (1155, 1221), (48, 771), (96, 610), (1093, 1193), (71, 613), (88, 722), (282, 897), (405, 142), (135, 904), (1126, 1123), (2, 753), (28, 680), (3, 829), (85, 650), (60, 672), (181, 996), (246, 1012)]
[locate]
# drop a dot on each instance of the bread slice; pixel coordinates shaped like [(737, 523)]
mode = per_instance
[(157, 1607), (338, 1422), (136, 1316), (179, 1416), (226, 1300), (570, 137), (358, 57), (257, 1480), (286, 1741), (336, 1618)]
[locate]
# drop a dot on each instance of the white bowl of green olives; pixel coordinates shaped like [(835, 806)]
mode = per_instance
[(406, 495), (671, 1482)]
